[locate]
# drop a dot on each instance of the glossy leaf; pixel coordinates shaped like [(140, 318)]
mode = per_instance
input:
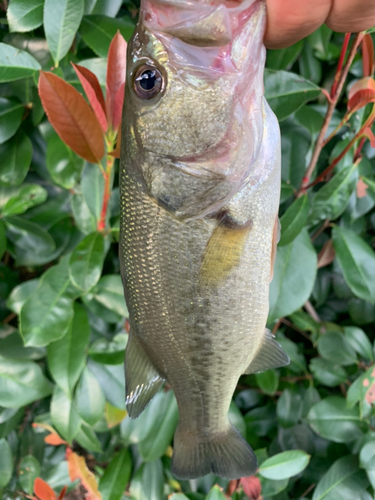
[(283, 58), (109, 292), (343, 480), (287, 92), (115, 84), (289, 408), (116, 477), (335, 348), (331, 419), (359, 341), (25, 15), (64, 415), (61, 21), (87, 438), (86, 262), (112, 381), (327, 373), (148, 482), (368, 55), (63, 164), (98, 31), (216, 493), (16, 64), (3, 239), (6, 463), (284, 465), (29, 470), (43, 490), (10, 117), (367, 456), (15, 156), (109, 352), (357, 262), (21, 383), (66, 357), (114, 416), (27, 196), (94, 94), (267, 381), (92, 185), (294, 276), (47, 314), (294, 219), (89, 398), (71, 117)]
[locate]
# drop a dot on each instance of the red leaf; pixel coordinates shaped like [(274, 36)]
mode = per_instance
[(232, 487), (115, 79), (78, 470), (361, 189), (71, 117), (370, 136), (361, 93), (327, 255), (94, 93), (251, 487), (62, 493), (43, 491), (368, 55), (54, 439)]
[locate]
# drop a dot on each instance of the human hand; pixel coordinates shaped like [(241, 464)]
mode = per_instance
[(291, 20)]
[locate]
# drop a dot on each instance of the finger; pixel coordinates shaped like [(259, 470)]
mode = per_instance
[(291, 20), (351, 15)]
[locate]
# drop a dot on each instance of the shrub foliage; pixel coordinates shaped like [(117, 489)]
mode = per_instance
[(64, 432)]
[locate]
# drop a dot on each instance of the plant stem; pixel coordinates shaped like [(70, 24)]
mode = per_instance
[(340, 64), (107, 193), (341, 77)]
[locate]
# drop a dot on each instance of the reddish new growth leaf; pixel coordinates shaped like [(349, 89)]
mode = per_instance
[(368, 56), (252, 487), (370, 136), (361, 93), (71, 117), (94, 93), (361, 189), (78, 470), (43, 491), (116, 80), (327, 255), (54, 439)]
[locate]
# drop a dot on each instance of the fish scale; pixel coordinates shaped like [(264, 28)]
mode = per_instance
[(197, 233)]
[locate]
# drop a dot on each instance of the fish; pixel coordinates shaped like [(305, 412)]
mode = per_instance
[(199, 196)]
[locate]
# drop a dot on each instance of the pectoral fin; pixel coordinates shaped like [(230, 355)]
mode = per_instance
[(224, 250), (270, 355), (141, 378)]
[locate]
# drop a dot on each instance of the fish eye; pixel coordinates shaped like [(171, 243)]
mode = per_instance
[(148, 81)]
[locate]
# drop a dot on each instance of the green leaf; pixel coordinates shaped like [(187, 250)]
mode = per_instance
[(295, 145), (86, 262), (332, 199), (165, 416), (297, 360), (83, 218), (344, 481), (148, 482), (47, 314), (20, 294), (116, 476), (289, 408), (359, 341), (294, 276), (6, 463), (86, 437), (61, 21), (216, 494), (98, 31), (89, 398), (357, 262), (92, 185), (33, 245), (110, 293), (284, 465), (367, 456), (64, 415), (271, 488), (16, 64), (109, 352), (106, 8), (10, 116), (3, 239), (267, 381), (294, 219), (66, 357), (335, 348), (309, 66), (261, 421), (284, 58), (12, 347), (236, 418), (327, 373), (331, 419), (63, 164), (29, 470), (21, 383), (287, 92), (27, 196), (15, 156), (112, 380), (25, 15)]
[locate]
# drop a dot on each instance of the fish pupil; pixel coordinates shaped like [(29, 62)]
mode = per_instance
[(147, 80)]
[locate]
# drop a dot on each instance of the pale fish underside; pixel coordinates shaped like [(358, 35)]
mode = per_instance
[(200, 182)]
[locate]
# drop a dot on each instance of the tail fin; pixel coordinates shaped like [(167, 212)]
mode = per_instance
[(225, 454)]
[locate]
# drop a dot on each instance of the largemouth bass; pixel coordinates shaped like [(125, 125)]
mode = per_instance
[(200, 183)]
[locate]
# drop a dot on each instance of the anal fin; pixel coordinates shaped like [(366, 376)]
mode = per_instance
[(141, 378), (270, 355)]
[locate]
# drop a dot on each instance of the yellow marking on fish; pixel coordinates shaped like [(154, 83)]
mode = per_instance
[(223, 253)]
